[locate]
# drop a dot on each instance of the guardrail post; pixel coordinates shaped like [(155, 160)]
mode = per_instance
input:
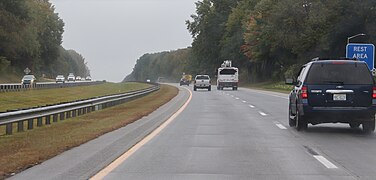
[(62, 116), (79, 112), (48, 120), (9, 129), (55, 116), (30, 124), (74, 113), (67, 114), (20, 127), (39, 122)]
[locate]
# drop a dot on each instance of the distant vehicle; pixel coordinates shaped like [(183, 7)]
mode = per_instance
[(184, 82), (88, 78), (227, 76), (71, 77), (161, 80), (185, 79), (78, 78), (202, 82), (148, 80), (28, 80), (60, 78), (333, 91)]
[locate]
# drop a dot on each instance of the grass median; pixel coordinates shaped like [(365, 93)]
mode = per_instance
[(270, 86), (22, 150), (33, 98)]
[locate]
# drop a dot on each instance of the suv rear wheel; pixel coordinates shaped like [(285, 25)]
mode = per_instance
[(369, 126), (301, 122), (292, 121)]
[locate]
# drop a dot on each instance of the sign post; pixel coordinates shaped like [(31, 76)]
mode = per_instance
[(363, 52)]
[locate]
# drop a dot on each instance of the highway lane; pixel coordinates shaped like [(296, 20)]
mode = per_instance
[(245, 135), (221, 135), (350, 149)]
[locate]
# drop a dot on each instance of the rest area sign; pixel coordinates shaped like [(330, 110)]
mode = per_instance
[(363, 52)]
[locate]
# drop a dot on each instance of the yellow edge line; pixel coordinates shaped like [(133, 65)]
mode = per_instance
[(104, 172)]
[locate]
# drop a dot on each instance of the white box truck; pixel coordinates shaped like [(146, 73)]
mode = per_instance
[(227, 76)]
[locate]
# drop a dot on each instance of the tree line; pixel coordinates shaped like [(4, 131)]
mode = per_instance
[(31, 37), (268, 39)]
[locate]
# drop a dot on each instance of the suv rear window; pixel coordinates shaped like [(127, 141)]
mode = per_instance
[(339, 73), (202, 77)]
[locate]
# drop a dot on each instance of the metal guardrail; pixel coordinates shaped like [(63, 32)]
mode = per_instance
[(66, 110), (45, 85)]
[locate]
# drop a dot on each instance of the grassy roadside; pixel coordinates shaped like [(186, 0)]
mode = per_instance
[(22, 150), (9, 78), (270, 86), (31, 98)]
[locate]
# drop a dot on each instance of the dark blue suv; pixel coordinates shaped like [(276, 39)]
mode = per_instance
[(333, 91)]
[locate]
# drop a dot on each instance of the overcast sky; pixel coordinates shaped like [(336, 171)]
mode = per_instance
[(113, 34)]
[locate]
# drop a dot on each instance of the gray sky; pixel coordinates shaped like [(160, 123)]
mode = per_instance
[(113, 34)]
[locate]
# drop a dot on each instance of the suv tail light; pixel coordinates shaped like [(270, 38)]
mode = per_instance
[(305, 92), (374, 93)]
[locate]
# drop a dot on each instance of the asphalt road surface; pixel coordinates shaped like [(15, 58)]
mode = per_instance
[(243, 134)]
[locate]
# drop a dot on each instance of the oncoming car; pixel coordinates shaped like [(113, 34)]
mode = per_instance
[(71, 77), (60, 78), (333, 91), (28, 80)]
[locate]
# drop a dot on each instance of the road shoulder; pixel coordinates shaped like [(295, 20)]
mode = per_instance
[(86, 160)]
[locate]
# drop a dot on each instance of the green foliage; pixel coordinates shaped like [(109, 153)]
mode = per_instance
[(4, 64), (31, 36), (207, 29), (169, 65), (267, 39)]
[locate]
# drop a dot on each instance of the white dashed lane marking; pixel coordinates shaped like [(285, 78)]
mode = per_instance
[(262, 113), (280, 126), (325, 162), (244, 101), (251, 106)]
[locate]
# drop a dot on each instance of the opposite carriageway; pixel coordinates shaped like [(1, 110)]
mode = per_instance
[(66, 110)]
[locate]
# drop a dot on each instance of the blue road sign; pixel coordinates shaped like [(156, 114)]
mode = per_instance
[(363, 52)]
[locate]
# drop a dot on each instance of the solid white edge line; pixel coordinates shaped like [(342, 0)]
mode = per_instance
[(117, 162), (281, 126), (325, 162)]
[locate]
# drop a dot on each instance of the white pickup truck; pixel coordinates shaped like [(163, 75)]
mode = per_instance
[(202, 82)]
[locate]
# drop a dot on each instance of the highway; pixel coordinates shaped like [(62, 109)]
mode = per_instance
[(226, 134)]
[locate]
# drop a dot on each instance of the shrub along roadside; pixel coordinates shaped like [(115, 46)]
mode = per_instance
[(23, 150)]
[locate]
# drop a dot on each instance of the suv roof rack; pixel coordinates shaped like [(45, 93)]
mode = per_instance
[(340, 58)]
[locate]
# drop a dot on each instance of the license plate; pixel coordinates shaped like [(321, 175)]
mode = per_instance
[(339, 97)]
